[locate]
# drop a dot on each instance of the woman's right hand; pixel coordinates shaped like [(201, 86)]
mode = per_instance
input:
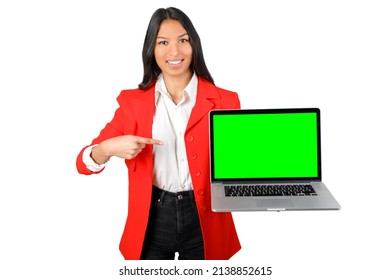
[(126, 147)]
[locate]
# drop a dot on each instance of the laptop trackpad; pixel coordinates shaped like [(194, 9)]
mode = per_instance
[(274, 203)]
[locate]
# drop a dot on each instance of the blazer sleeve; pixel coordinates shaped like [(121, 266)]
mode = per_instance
[(112, 129), (236, 101)]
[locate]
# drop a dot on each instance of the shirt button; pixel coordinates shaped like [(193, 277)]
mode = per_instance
[(194, 156), (197, 173), (190, 138), (201, 192)]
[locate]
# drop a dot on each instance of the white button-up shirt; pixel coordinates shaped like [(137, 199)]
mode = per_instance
[(171, 171)]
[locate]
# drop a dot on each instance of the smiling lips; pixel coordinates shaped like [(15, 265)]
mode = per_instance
[(174, 62)]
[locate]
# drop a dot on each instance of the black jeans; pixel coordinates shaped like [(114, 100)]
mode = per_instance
[(173, 227)]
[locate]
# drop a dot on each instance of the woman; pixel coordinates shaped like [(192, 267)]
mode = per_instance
[(161, 130)]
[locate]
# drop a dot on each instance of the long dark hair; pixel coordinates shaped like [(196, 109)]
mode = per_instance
[(151, 69)]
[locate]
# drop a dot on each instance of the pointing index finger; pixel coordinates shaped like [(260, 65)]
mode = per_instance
[(149, 141)]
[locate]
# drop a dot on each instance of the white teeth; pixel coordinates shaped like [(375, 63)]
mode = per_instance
[(174, 61)]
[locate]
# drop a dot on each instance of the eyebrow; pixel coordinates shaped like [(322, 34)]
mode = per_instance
[(162, 37)]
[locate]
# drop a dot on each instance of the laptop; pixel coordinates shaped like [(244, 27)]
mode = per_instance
[(267, 160)]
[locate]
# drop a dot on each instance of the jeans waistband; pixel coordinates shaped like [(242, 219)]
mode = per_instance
[(171, 195)]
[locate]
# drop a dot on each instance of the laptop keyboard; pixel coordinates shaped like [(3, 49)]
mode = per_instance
[(270, 190)]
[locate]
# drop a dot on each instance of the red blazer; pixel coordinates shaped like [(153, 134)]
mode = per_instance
[(135, 116)]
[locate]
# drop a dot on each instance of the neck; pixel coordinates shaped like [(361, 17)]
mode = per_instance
[(176, 85)]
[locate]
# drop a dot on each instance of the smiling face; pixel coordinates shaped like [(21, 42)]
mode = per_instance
[(173, 51)]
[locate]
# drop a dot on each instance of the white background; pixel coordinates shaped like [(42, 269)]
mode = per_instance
[(63, 63)]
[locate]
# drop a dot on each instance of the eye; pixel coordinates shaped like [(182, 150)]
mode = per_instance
[(184, 40), (162, 43)]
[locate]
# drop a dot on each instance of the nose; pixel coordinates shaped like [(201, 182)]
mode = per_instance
[(174, 49)]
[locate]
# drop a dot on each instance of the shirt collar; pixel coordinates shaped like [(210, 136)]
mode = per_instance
[(191, 89)]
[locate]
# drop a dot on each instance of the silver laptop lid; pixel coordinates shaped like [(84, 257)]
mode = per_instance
[(265, 145)]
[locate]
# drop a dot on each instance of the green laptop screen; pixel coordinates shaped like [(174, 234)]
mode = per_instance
[(267, 145)]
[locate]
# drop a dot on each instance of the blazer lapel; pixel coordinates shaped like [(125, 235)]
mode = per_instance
[(143, 106), (206, 92)]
